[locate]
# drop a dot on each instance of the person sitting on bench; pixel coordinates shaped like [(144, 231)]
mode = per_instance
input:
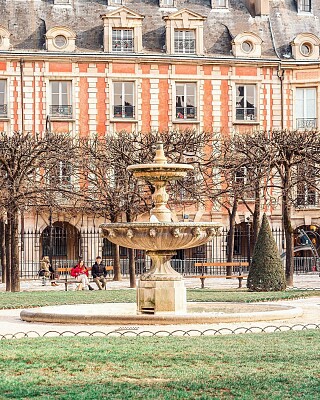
[(99, 273), (80, 272)]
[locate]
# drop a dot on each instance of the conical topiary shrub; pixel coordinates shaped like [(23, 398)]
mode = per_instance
[(266, 271)]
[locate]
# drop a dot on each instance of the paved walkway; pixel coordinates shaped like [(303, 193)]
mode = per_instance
[(10, 322)]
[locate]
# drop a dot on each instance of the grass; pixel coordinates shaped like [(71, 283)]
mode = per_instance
[(41, 298), (251, 367)]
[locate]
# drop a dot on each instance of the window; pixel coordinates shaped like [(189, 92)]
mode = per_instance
[(3, 105), (122, 40), (62, 2), (61, 174), (306, 111), (307, 195), (123, 100), (184, 41), (60, 41), (245, 103), (166, 3), (61, 99), (219, 3), (305, 5), (186, 101)]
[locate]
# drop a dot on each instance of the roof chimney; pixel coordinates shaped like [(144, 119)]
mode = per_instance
[(257, 7), (262, 7)]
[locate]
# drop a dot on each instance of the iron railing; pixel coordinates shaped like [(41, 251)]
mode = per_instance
[(307, 200), (3, 110), (188, 112), (61, 111), (307, 123), (66, 245), (123, 111), (126, 45), (246, 113)]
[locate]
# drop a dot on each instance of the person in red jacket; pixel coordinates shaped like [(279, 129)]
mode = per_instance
[(80, 272)]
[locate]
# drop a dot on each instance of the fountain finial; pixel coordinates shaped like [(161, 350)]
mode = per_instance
[(160, 158)]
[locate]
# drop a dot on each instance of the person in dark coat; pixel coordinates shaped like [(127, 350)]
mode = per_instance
[(99, 273)]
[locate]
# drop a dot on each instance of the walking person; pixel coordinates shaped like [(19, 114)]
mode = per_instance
[(80, 272), (99, 273)]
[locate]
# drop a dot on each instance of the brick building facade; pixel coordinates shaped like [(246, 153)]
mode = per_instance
[(109, 65)]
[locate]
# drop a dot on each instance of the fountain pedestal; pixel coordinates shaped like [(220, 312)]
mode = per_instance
[(161, 290)]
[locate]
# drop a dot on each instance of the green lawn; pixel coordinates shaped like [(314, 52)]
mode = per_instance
[(275, 366), (35, 299)]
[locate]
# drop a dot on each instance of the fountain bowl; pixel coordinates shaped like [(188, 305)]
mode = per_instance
[(154, 236)]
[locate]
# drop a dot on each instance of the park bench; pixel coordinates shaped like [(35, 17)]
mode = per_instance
[(239, 271), (67, 279)]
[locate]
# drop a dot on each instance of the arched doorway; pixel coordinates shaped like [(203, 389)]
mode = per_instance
[(306, 248), (61, 243)]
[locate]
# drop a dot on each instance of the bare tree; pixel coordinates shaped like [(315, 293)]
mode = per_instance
[(285, 164), (114, 192), (27, 164)]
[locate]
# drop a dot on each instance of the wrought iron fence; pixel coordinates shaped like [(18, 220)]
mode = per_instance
[(65, 244)]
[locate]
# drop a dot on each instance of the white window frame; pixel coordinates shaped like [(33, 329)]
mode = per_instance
[(119, 111), (3, 98), (180, 37), (122, 40), (186, 112), (302, 107), (167, 3), (220, 4), (248, 116), (61, 110), (305, 6)]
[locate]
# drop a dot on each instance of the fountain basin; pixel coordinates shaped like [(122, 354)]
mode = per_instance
[(125, 314), (160, 235)]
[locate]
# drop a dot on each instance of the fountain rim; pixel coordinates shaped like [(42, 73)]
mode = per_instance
[(158, 166), (160, 224)]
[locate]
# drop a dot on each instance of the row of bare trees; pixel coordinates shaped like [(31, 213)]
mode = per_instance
[(259, 170)]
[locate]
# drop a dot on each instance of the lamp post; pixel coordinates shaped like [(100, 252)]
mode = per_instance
[(248, 240)]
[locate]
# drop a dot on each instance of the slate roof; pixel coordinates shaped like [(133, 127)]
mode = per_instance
[(29, 20)]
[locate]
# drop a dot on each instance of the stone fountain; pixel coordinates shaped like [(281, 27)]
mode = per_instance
[(161, 294), (161, 289)]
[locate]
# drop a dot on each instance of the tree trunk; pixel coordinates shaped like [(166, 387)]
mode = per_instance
[(256, 215), (15, 270), (116, 263), (8, 255), (230, 242), (286, 202), (3, 250), (132, 269)]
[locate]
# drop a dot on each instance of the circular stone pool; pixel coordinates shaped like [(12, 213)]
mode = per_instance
[(125, 313)]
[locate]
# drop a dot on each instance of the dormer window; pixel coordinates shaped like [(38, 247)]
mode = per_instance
[(4, 38), (61, 38), (305, 46), (219, 3), (184, 32), (166, 3), (60, 41), (63, 2), (122, 40), (247, 44), (304, 6), (115, 2), (184, 41), (122, 31)]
